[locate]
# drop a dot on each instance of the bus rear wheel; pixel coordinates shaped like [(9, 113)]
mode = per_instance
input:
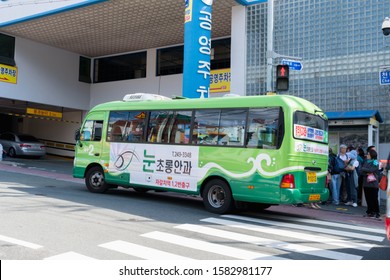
[(94, 180), (217, 197)]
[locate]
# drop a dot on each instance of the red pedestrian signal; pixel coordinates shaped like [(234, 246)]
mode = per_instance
[(282, 75)]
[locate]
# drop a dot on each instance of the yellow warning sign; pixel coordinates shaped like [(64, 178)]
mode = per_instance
[(8, 74), (44, 113)]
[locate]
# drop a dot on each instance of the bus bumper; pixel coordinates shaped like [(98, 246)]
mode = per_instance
[(78, 172), (294, 196)]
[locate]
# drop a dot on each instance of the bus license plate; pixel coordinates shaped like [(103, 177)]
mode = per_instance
[(311, 177), (314, 197)]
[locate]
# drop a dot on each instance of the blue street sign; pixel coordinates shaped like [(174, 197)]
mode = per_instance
[(293, 65), (384, 77)]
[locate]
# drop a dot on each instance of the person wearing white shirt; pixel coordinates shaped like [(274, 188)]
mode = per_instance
[(351, 177)]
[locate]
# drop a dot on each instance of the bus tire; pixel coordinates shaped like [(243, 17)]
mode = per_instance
[(94, 180), (217, 197)]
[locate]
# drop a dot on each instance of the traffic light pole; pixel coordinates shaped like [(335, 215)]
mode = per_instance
[(270, 45), (271, 55)]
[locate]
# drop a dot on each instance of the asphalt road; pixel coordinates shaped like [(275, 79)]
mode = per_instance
[(45, 214)]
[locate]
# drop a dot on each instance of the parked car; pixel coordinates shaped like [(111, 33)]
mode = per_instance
[(15, 144)]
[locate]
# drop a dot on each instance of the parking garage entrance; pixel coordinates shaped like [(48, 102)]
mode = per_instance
[(54, 126)]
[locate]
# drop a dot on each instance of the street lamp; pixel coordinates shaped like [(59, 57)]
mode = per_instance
[(386, 26)]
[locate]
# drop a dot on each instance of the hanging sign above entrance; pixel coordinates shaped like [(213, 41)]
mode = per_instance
[(43, 113), (16, 11)]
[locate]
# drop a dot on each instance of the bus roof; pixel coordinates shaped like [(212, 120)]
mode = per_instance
[(287, 101)]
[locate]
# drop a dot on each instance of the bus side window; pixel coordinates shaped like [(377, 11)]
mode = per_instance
[(232, 127), (92, 131), (126, 126), (180, 131), (263, 126), (98, 134), (134, 129), (206, 127), (116, 126), (159, 126)]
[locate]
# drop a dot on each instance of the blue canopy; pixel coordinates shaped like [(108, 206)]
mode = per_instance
[(362, 114)]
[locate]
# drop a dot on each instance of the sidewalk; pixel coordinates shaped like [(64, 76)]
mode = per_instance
[(341, 208)]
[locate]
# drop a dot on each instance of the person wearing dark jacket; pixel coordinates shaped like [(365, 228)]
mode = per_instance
[(370, 172)]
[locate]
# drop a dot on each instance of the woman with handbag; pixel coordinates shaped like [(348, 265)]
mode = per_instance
[(370, 171)]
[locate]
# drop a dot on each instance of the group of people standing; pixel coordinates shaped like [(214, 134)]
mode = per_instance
[(353, 171)]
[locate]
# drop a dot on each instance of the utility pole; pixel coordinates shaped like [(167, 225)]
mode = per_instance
[(270, 45)]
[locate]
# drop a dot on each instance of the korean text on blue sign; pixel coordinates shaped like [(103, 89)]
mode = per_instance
[(384, 77), (197, 48)]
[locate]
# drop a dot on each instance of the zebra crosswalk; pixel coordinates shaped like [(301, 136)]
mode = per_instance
[(268, 237)]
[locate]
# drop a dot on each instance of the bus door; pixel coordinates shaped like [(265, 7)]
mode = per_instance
[(89, 146)]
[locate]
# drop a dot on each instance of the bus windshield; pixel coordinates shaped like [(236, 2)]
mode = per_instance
[(310, 127)]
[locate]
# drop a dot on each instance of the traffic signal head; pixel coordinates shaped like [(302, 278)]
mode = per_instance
[(282, 74)]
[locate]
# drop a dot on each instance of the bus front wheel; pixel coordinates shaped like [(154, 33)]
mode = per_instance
[(217, 197), (94, 180)]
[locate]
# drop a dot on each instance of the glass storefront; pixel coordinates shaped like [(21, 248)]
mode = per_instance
[(342, 48)]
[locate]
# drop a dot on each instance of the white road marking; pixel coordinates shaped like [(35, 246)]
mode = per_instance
[(139, 251), (281, 245), (209, 247), (19, 242), (291, 234)]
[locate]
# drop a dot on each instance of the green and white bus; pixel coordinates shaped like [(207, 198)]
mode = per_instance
[(262, 150)]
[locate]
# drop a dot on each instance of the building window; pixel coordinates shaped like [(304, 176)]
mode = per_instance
[(85, 70), (121, 67), (220, 54), (170, 61), (7, 50)]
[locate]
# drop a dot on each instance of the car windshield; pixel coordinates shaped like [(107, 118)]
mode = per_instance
[(27, 138)]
